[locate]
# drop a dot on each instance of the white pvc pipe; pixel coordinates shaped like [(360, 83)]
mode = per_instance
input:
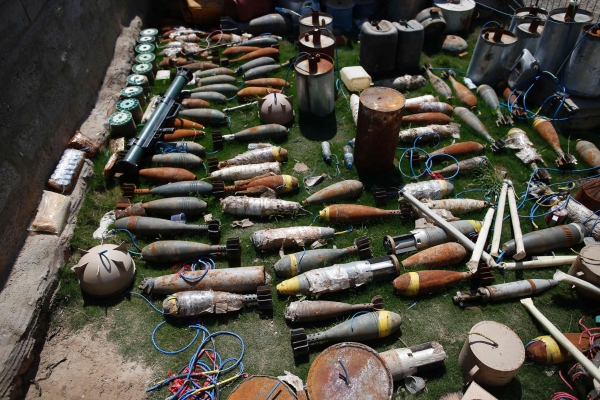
[(561, 276), (481, 239), (516, 224), (541, 262), (499, 220)]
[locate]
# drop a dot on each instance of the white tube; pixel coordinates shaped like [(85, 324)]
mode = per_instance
[(561, 339), (561, 276), (541, 262), (481, 239), (516, 224), (498, 224)]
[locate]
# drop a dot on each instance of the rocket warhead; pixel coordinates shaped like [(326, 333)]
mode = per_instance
[(504, 291)]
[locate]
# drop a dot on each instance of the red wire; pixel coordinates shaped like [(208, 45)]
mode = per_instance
[(563, 395)]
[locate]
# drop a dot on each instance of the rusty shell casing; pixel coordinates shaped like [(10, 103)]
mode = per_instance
[(410, 361), (549, 239), (424, 282), (473, 122), (223, 88), (235, 50), (460, 149), (183, 134), (202, 66), (427, 118), (289, 237), (173, 251), (148, 226), (242, 172), (437, 256), (430, 106), (464, 165), (430, 133), (233, 280), (338, 191), (190, 206), (185, 124), (213, 72), (261, 132), (243, 206), (464, 94), (353, 213), (252, 93), (489, 96), (546, 350), (130, 211), (203, 302), (548, 133), (589, 152), (205, 115), (257, 156), (439, 85), (403, 83), (215, 79), (341, 276), (214, 97), (457, 206), (190, 147), (177, 160), (270, 52), (505, 291), (181, 189), (296, 263), (317, 310), (279, 183), (167, 174), (195, 103), (179, 61), (277, 83)]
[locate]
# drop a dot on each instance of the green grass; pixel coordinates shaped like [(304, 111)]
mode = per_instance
[(130, 321)]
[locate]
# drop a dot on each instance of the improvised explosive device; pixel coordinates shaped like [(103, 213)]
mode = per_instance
[(257, 156), (173, 251), (545, 350), (437, 256), (338, 191), (243, 206), (504, 291), (430, 133), (148, 226), (203, 302), (243, 172), (456, 206), (259, 185), (425, 282), (289, 237), (319, 310)]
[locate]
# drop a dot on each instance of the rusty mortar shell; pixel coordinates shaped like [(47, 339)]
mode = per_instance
[(427, 118), (190, 206), (204, 115), (410, 361), (276, 83), (189, 147), (215, 79), (430, 133), (549, 134), (257, 156), (243, 172), (439, 85), (545, 350), (223, 88), (373, 325), (353, 213), (338, 191), (279, 183), (266, 52), (589, 152), (235, 50), (213, 72), (464, 165), (326, 151), (183, 123), (148, 226), (243, 206), (430, 106), (425, 282), (341, 276), (260, 71), (178, 62), (291, 265), (213, 97), (174, 251), (403, 83), (254, 93), (202, 66), (167, 174), (178, 134), (289, 237), (261, 132), (194, 103), (175, 189), (437, 256), (177, 160), (473, 122), (457, 206), (318, 310), (233, 280), (504, 291), (460, 149), (549, 239), (464, 94)]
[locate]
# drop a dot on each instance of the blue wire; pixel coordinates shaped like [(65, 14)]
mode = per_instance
[(428, 164), (301, 257), (428, 134), (352, 319), (130, 236), (500, 257), (197, 327), (149, 302)]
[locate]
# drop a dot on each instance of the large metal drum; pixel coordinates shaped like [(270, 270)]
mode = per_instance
[(379, 118), (489, 57), (378, 40), (404, 10), (316, 19), (411, 36), (582, 76), (315, 84), (317, 41), (528, 33), (457, 14), (527, 13)]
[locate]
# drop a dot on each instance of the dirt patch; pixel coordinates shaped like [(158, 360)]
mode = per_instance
[(92, 369)]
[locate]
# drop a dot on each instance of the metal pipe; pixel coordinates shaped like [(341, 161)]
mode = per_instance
[(499, 219), (540, 262), (561, 276), (481, 239), (514, 217)]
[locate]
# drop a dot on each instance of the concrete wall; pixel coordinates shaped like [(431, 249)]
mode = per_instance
[(53, 58)]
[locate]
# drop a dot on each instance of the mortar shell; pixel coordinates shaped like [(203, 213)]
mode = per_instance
[(353, 213), (262, 41), (457, 206), (293, 264), (427, 118), (489, 96), (177, 160), (268, 82), (403, 83), (179, 189), (261, 132), (473, 122), (289, 237), (545, 350), (148, 226), (216, 79), (464, 165), (223, 88), (178, 62), (460, 149), (373, 325), (259, 72), (185, 124), (202, 66), (265, 52), (253, 93), (589, 152), (243, 206), (257, 156), (430, 133), (549, 239), (279, 183), (256, 63), (167, 174), (548, 133), (204, 115), (437, 256), (424, 282), (439, 85), (195, 103), (430, 106), (464, 94), (183, 134), (241, 172), (214, 97), (338, 191), (206, 302), (174, 251), (235, 50), (213, 72), (429, 189), (190, 206), (309, 311)]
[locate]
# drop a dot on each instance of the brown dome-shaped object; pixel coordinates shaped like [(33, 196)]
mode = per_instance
[(105, 270), (276, 108), (589, 194)]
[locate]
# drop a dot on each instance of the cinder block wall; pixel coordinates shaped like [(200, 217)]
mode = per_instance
[(53, 57)]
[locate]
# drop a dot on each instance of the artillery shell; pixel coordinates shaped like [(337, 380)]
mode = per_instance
[(179, 62), (460, 149), (148, 226), (437, 256), (190, 206), (338, 191), (430, 132), (439, 85), (174, 251), (473, 122), (266, 52), (258, 207), (549, 239), (179, 189), (430, 106), (547, 132), (426, 118), (261, 41), (589, 152), (259, 62), (215, 79), (167, 174), (424, 282), (403, 83), (308, 311), (213, 72), (258, 156), (195, 103), (252, 93), (420, 99), (489, 96), (223, 88), (235, 50), (215, 97), (183, 134), (205, 116), (259, 72), (293, 264), (288, 237), (186, 124), (546, 350), (200, 66), (464, 94), (353, 213), (268, 82), (242, 172), (177, 160), (233, 280), (268, 131), (457, 206), (279, 183), (464, 165)]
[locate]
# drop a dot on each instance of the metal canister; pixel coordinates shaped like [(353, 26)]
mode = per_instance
[(133, 106), (315, 84), (589, 195), (411, 36), (144, 69), (399, 10), (146, 39), (528, 33), (526, 13), (145, 48), (377, 38), (341, 12), (489, 57), (318, 40), (315, 19), (379, 118), (561, 31), (586, 267), (149, 32), (433, 22), (139, 80), (134, 92), (147, 58), (457, 13), (582, 77), (121, 124)]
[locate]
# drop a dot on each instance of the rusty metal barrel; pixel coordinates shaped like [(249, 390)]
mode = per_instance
[(379, 118), (589, 194)]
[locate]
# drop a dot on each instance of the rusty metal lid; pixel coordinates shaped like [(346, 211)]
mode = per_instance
[(131, 91), (589, 256), (145, 58), (321, 62), (498, 36), (149, 32), (259, 387), (137, 80), (595, 33), (382, 99), (456, 6), (145, 48), (324, 41), (366, 375), (589, 194), (560, 14), (496, 345)]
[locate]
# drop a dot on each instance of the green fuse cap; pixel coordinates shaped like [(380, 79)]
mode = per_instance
[(145, 48), (149, 32), (141, 68), (146, 39), (131, 91), (119, 118), (145, 58), (128, 104)]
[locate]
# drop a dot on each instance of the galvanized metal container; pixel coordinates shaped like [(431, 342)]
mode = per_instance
[(314, 20), (317, 41), (411, 36), (433, 22), (379, 118), (315, 84), (404, 10), (457, 13), (378, 40), (489, 57), (559, 37), (528, 33), (582, 74), (527, 13)]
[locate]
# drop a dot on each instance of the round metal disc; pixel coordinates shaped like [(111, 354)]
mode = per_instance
[(127, 104), (146, 39), (137, 80), (149, 32), (131, 91), (368, 377), (259, 387), (120, 118), (145, 48), (141, 68), (145, 58), (507, 354)]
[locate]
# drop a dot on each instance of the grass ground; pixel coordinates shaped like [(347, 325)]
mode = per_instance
[(267, 349)]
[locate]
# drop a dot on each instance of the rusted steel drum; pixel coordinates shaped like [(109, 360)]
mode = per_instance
[(364, 375), (259, 388), (317, 41), (379, 118), (589, 194)]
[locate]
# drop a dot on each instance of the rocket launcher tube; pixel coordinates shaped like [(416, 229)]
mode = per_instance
[(481, 239), (561, 276), (539, 262), (504, 291), (549, 239), (516, 224), (309, 311), (499, 219)]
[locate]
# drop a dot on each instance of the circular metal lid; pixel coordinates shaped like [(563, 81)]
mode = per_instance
[(131, 91), (581, 16), (460, 6), (505, 37), (325, 43), (146, 39), (526, 26), (120, 118), (367, 377), (128, 104), (589, 256), (382, 99), (496, 345), (141, 68), (324, 19), (259, 387), (145, 58), (323, 66), (145, 48), (137, 80), (149, 32)]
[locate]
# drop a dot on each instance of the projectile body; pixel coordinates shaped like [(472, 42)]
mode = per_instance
[(353, 213), (241, 172), (258, 156), (185, 124), (430, 106), (202, 66), (259, 72), (439, 85), (437, 256), (457, 206), (243, 206), (177, 160), (223, 88), (270, 52), (403, 83), (427, 237), (189, 147), (253, 93), (233, 280), (175, 189), (549, 239), (505, 291), (338, 191), (373, 325), (348, 156), (460, 149), (341, 276), (419, 99), (167, 174), (261, 132), (261, 41), (256, 63), (589, 152), (489, 96), (424, 282), (179, 134), (190, 206), (195, 103), (464, 165), (433, 189), (213, 72), (205, 115), (473, 122), (236, 50), (511, 99), (279, 183), (547, 131), (215, 79), (317, 310), (427, 118), (430, 133), (174, 251), (410, 361), (277, 83), (213, 97), (546, 350), (289, 237), (464, 94), (148, 226)]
